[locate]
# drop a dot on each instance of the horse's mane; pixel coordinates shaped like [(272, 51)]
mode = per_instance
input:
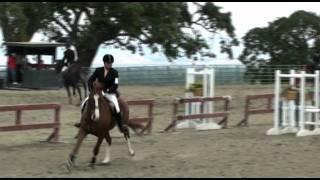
[(97, 89)]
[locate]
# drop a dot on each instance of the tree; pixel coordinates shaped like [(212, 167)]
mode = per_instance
[(167, 27), (20, 21), (286, 41)]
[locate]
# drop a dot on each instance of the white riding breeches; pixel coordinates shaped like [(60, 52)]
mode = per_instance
[(111, 97), (64, 68)]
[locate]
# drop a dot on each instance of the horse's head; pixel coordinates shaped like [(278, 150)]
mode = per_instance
[(97, 87), (94, 101)]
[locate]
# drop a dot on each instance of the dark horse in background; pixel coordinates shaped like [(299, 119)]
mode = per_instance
[(71, 78), (96, 119)]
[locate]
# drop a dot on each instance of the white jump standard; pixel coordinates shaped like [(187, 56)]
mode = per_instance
[(288, 108), (194, 108)]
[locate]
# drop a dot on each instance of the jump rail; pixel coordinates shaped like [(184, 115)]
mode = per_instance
[(248, 111), (202, 115), (142, 123), (27, 107)]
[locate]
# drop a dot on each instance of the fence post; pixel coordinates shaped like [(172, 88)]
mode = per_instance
[(18, 117), (150, 109), (57, 120)]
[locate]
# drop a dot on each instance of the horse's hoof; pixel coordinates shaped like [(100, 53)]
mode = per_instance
[(69, 166), (69, 169), (92, 165), (107, 162), (131, 153)]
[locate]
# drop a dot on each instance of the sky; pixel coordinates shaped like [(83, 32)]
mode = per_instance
[(244, 15)]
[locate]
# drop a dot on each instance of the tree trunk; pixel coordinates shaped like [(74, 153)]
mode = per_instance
[(87, 47), (86, 55)]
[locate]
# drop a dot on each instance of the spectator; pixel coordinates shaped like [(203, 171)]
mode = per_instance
[(40, 64), (19, 66), (12, 66)]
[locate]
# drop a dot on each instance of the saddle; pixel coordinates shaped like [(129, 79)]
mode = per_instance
[(113, 110)]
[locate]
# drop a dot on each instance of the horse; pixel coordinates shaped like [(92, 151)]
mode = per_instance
[(96, 119), (71, 77)]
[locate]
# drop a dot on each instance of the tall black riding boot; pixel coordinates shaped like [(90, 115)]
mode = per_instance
[(121, 126)]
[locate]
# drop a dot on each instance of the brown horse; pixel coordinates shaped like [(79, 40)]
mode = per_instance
[(71, 78), (97, 119)]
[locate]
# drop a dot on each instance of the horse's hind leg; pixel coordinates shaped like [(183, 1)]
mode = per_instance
[(84, 85), (81, 135), (95, 152), (74, 91), (69, 93), (108, 149), (125, 116), (80, 95), (127, 137)]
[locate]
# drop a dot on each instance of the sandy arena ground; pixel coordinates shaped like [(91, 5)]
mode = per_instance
[(231, 152)]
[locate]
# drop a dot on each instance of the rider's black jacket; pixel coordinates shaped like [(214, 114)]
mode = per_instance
[(68, 57), (110, 81)]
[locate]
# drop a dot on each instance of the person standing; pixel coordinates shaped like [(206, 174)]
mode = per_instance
[(12, 66), (19, 67)]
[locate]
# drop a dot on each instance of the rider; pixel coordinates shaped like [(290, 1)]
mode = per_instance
[(108, 76), (69, 57)]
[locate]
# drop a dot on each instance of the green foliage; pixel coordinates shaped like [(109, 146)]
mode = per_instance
[(194, 86), (19, 21), (286, 41), (167, 27)]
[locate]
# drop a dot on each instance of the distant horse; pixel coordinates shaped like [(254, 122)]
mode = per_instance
[(71, 77), (96, 119)]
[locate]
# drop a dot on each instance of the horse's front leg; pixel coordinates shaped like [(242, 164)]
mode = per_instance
[(95, 152), (69, 93), (81, 135), (108, 149), (80, 95)]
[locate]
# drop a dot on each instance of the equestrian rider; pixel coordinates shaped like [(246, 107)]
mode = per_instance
[(68, 58), (108, 76)]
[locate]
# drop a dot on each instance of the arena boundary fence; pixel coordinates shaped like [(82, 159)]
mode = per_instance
[(18, 126)]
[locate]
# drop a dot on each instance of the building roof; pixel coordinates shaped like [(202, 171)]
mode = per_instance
[(32, 48)]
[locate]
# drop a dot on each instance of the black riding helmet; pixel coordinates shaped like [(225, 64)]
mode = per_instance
[(108, 58)]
